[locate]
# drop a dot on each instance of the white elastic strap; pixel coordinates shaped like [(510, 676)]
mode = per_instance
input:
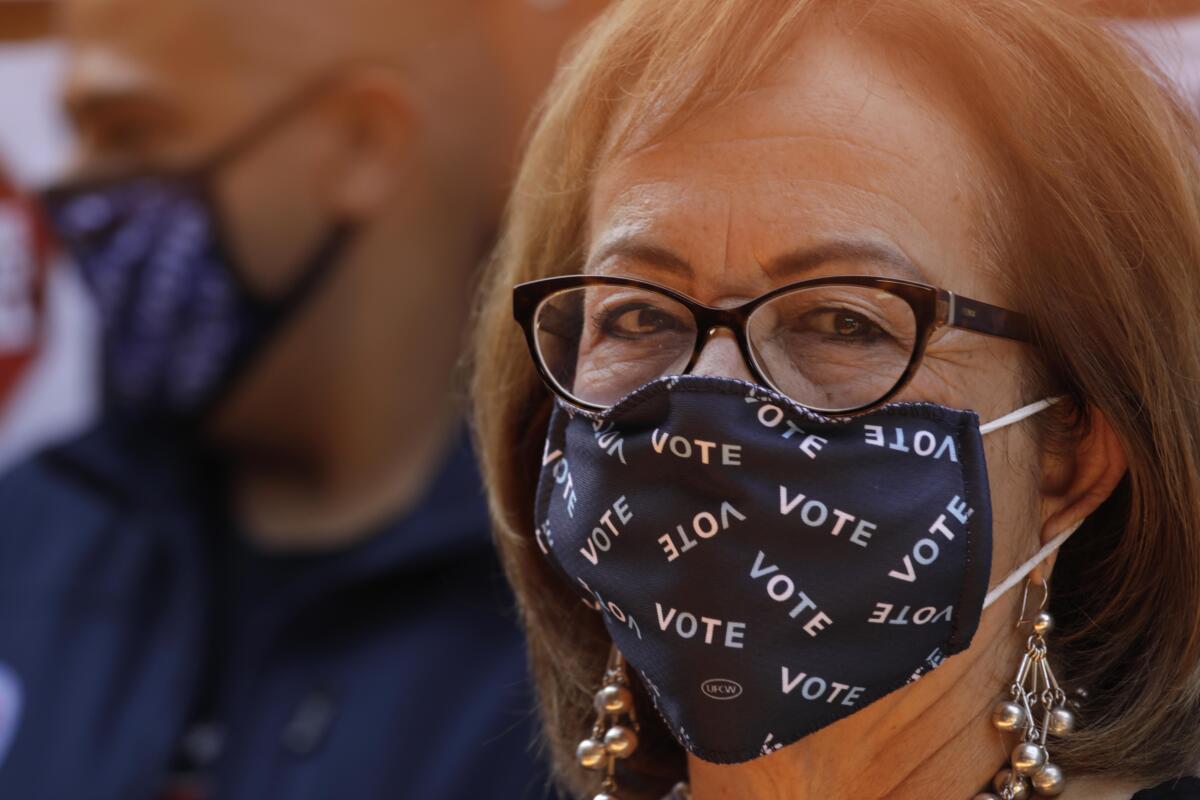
[(1018, 415), (1023, 570)]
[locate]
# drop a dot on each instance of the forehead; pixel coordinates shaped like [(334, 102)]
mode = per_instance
[(839, 141)]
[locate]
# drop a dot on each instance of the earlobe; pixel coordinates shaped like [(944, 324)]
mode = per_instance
[(1077, 480)]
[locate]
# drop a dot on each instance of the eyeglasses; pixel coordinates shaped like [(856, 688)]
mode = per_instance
[(840, 345)]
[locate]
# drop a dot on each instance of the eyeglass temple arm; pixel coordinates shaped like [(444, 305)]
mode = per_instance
[(976, 315)]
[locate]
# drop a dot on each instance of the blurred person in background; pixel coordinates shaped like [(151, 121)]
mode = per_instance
[(266, 572)]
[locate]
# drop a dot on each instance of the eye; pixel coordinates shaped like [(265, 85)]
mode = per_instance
[(841, 324), (849, 324), (633, 320), (112, 127)]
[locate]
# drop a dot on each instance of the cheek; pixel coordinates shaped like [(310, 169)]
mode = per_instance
[(1012, 462), (264, 199), (984, 377), (985, 381), (965, 370)]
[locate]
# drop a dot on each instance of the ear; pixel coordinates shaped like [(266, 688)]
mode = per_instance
[(373, 124), (1075, 481)]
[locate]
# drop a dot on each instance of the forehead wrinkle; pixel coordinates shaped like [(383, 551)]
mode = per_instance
[(645, 219), (881, 196), (613, 234), (733, 140), (647, 204), (623, 216), (726, 168)]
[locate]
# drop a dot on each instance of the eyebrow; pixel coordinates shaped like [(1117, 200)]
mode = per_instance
[(806, 259), (629, 248), (791, 264)]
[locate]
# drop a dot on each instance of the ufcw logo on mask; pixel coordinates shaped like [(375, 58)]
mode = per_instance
[(721, 689)]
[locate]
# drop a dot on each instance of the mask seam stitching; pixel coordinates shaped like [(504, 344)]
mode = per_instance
[(735, 386)]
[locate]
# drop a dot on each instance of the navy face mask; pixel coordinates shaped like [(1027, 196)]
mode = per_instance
[(179, 322), (765, 570)]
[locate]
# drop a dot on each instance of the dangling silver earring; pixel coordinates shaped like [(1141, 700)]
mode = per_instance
[(1035, 710), (614, 735)]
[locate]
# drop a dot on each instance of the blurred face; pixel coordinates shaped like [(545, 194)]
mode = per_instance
[(165, 85), (413, 141), (842, 162), (161, 85)]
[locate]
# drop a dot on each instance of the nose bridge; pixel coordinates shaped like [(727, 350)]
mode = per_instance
[(710, 320), (720, 354)]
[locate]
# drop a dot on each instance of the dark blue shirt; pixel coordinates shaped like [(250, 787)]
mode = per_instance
[(132, 620)]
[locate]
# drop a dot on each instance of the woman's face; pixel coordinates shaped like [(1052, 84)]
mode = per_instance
[(841, 145)]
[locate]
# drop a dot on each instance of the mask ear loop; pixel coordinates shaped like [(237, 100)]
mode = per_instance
[(1016, 416), (1023, 570)]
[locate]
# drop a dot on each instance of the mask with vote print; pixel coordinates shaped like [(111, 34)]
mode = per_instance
[(768, 571)]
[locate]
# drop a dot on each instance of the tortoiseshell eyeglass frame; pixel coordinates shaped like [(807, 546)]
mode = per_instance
[(932, 308)]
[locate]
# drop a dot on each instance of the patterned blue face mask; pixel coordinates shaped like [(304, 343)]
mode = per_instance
[(765, 570), (179, 322)]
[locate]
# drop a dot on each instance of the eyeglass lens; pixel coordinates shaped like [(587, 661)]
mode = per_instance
[(828, 347)]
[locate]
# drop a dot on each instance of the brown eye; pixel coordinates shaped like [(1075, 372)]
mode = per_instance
[(630, 321), (846, 324), (837, 325)]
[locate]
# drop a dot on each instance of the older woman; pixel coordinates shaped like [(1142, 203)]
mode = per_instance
[(843, 317)]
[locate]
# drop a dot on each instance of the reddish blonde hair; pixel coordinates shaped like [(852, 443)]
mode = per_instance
[(1098, 228)]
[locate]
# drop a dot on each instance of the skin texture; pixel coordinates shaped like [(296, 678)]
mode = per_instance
[(842, 142), (344, 419)]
